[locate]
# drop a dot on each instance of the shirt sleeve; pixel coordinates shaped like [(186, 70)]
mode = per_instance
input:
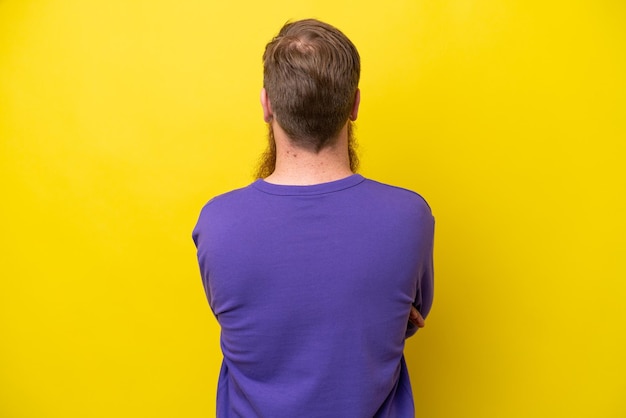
[(425, 286), (201, 252)]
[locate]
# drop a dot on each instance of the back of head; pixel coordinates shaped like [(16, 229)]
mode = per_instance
[(311, 75)]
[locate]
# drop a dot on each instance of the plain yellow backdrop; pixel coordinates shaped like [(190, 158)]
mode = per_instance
[(120, 119)]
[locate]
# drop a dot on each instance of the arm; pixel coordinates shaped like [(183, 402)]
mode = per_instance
[(416, 318), (424, 299)]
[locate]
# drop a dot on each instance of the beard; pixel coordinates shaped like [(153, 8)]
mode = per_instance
[(267, 161)]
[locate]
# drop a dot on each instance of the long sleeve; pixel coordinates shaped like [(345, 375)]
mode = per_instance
[(426, 284)]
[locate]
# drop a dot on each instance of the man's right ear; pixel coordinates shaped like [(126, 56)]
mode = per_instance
[(268, 115), (355, 107)]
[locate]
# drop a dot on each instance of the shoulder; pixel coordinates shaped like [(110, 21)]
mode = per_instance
[(398, 195), (228, 205), (223, 210), (232, 197)]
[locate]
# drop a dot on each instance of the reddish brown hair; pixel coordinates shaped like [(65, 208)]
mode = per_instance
[(311, 74)]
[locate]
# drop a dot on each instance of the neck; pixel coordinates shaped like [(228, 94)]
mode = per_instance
[(301, 167)]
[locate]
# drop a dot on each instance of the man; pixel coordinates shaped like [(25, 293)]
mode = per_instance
[(315, 274)]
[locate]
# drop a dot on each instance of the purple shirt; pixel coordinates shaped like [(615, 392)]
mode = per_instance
[(312, 288)]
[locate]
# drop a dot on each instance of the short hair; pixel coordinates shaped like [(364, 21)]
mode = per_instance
[(311, 73)]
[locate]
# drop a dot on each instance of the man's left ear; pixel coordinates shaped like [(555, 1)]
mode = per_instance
[(267, 107), (355, 107)]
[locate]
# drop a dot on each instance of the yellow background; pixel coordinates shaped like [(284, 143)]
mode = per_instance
[(119, 119)]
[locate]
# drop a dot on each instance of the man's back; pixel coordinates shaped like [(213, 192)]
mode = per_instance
[(312, 287)]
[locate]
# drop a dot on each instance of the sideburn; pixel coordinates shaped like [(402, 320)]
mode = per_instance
[(267, 160), (352, 146)]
